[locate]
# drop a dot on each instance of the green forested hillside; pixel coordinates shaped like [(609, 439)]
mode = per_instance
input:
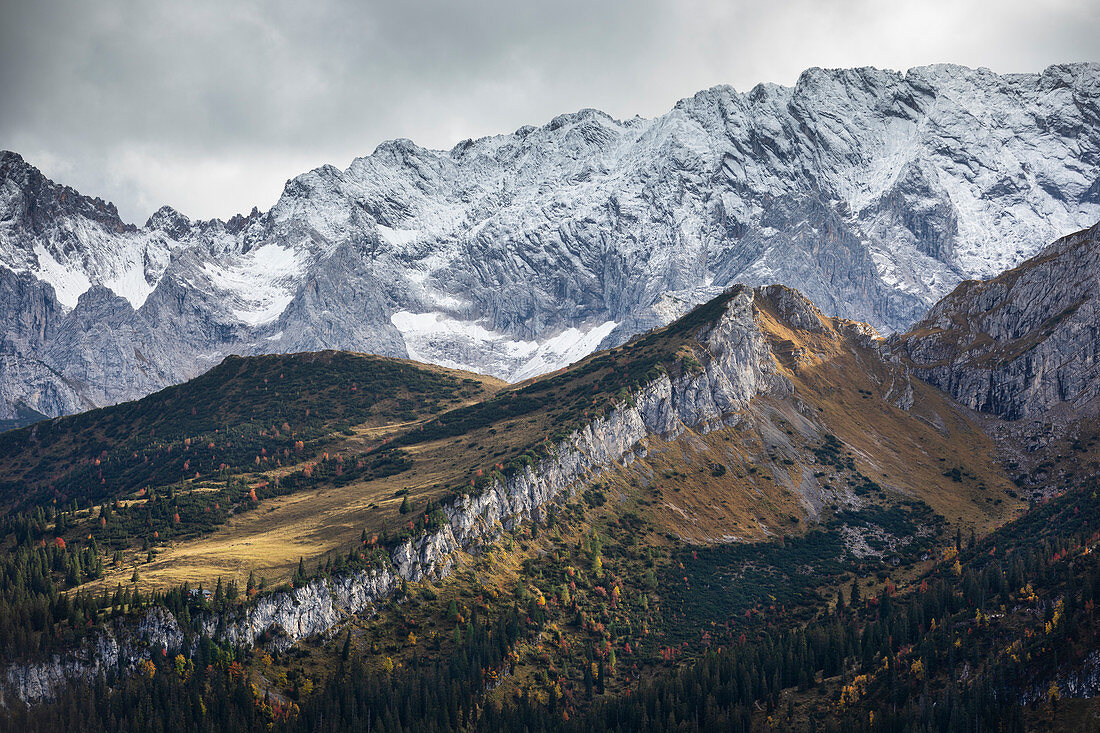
[(1000, 621), (826, 560)]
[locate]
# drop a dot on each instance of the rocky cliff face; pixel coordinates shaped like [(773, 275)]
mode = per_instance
[(1023, 343), (736, 365), (119, 647), (316, 607), (1080, 681), (873, 192)]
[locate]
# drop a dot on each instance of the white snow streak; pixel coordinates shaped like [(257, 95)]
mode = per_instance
[(68, 284), (440, 339), (261, 283)]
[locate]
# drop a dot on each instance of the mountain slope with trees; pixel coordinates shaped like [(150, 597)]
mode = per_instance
[(757, 517)]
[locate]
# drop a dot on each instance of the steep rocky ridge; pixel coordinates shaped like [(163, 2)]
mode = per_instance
[(1022, 343), (755, 365), (873, 192), (738, 367), (119, 647), (1023, 348)]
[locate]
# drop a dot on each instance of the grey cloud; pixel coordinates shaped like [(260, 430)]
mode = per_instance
[(210, 105)]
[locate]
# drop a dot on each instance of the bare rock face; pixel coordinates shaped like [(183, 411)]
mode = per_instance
[(1020, 344), (120, 646), (736, 366), (314, 608), (872, 192), (32, 318)]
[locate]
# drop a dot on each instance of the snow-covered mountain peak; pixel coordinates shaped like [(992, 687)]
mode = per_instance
[(874, 192), (43, 200), (71, 241), (171, 222)]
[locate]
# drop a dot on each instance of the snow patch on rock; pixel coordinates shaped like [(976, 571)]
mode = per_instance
[(439, 338), (260, 284)]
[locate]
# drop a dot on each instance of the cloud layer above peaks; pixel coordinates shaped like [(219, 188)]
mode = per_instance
[(210, 106)]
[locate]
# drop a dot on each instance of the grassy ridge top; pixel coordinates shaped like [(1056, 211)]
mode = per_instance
[(243, 407), (524, 421)]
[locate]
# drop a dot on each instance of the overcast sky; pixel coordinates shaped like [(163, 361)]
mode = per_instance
[(211, 105)]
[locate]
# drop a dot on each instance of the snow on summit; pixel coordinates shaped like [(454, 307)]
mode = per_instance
[(873, 192)]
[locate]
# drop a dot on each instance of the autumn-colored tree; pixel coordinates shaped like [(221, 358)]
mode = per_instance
[(184, 667)]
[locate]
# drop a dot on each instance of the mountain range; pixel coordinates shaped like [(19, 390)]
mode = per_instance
[(706, 489), (873, 192)]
